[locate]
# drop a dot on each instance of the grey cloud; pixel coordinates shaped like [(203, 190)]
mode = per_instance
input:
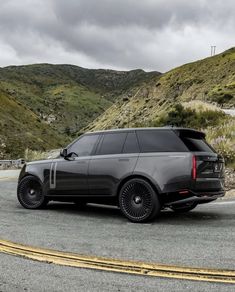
[(149, 13), (150, 34)]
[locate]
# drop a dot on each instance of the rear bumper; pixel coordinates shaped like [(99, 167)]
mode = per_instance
[(212, 184), (198, 197)]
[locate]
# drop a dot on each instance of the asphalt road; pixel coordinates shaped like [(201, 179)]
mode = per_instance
[(202, 238)]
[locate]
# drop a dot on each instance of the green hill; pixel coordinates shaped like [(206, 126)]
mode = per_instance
[(191, 95), (43, 106), (20, 128), (211, 80)]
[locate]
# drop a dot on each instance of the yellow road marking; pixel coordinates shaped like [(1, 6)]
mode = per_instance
[(116, 265)]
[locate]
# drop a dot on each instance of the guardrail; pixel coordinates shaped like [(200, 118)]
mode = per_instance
[(16, 163)]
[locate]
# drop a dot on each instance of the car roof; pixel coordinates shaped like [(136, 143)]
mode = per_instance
[(146, 128)]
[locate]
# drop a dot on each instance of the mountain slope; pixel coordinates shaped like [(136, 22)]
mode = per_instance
[(43, 106), (192, 95), (68, 97), (56, 101), (211, 80), (20, 128)]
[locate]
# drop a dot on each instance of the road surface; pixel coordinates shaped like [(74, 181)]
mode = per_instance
[(202, 238)]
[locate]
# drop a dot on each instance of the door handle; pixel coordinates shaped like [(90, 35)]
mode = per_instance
[(123, 159), (81, 162)]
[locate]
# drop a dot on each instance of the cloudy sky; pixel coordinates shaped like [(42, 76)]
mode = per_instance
[(119, 34)]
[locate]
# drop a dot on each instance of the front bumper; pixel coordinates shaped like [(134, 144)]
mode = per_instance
[(199, 198)]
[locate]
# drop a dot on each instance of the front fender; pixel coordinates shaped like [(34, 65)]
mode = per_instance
[(40, 170)]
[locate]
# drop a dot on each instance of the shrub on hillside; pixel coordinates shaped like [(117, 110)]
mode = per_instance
[(222, 138), (225, 147), (190, 118)]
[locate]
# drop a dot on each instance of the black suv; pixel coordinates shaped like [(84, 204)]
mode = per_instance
[(141, 170)]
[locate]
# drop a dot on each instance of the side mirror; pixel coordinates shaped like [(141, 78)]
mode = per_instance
[(64, 152)]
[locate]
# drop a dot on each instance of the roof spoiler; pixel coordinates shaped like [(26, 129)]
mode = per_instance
[(190, 133)]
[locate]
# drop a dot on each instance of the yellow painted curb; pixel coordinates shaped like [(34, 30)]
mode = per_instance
[(115, 265)]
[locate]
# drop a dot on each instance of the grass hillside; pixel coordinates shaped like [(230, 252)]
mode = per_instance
[(43, 106), (65, 96), (211, 80), (192, 95), (20, 128), (46, 105)]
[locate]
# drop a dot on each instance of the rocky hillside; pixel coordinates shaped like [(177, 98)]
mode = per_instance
[(20, 128), (206, 82), (42, 106)]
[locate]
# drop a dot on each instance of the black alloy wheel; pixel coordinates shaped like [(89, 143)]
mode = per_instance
[(138, 200), (30, 193), (184, 208)]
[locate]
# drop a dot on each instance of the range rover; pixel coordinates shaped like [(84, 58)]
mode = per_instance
[(141, 170)]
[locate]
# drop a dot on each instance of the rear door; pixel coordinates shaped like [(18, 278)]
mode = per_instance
[(115, 158)]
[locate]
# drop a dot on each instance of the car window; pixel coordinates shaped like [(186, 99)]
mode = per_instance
[(196, 144), (112, 143), (131, 144), (84, 146), (160, 141)]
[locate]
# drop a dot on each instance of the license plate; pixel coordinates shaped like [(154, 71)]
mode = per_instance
[(217, 167)]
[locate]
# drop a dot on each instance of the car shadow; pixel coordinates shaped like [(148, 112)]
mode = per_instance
[(166, 216), (90, 210), (193, 216)]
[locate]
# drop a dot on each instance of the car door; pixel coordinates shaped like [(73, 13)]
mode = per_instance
[(70, 174), (112, 161)]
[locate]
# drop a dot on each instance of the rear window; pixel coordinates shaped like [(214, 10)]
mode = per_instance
[(197, 144), (160, 141), (195, 140)]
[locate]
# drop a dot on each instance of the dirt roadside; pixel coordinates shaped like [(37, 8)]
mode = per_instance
[(230, 194)]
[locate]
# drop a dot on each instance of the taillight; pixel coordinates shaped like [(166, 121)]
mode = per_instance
[(194, 168)]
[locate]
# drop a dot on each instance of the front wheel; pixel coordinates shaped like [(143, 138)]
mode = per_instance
[(30, 193), (138, 200), (184, 208)]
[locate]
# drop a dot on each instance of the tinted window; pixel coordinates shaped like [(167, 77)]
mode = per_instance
[(84, 146), (160, 141), (194, 144), (112, 143), (131, 144)]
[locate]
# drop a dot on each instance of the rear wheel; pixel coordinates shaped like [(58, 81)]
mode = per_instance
[(30, 193), (138, 200), (184, 208)]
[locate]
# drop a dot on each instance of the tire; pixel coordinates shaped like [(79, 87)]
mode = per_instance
[(30, 193), (184, 208), (138, 201)]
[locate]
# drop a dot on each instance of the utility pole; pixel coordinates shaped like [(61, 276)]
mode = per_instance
[(213, 50)]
